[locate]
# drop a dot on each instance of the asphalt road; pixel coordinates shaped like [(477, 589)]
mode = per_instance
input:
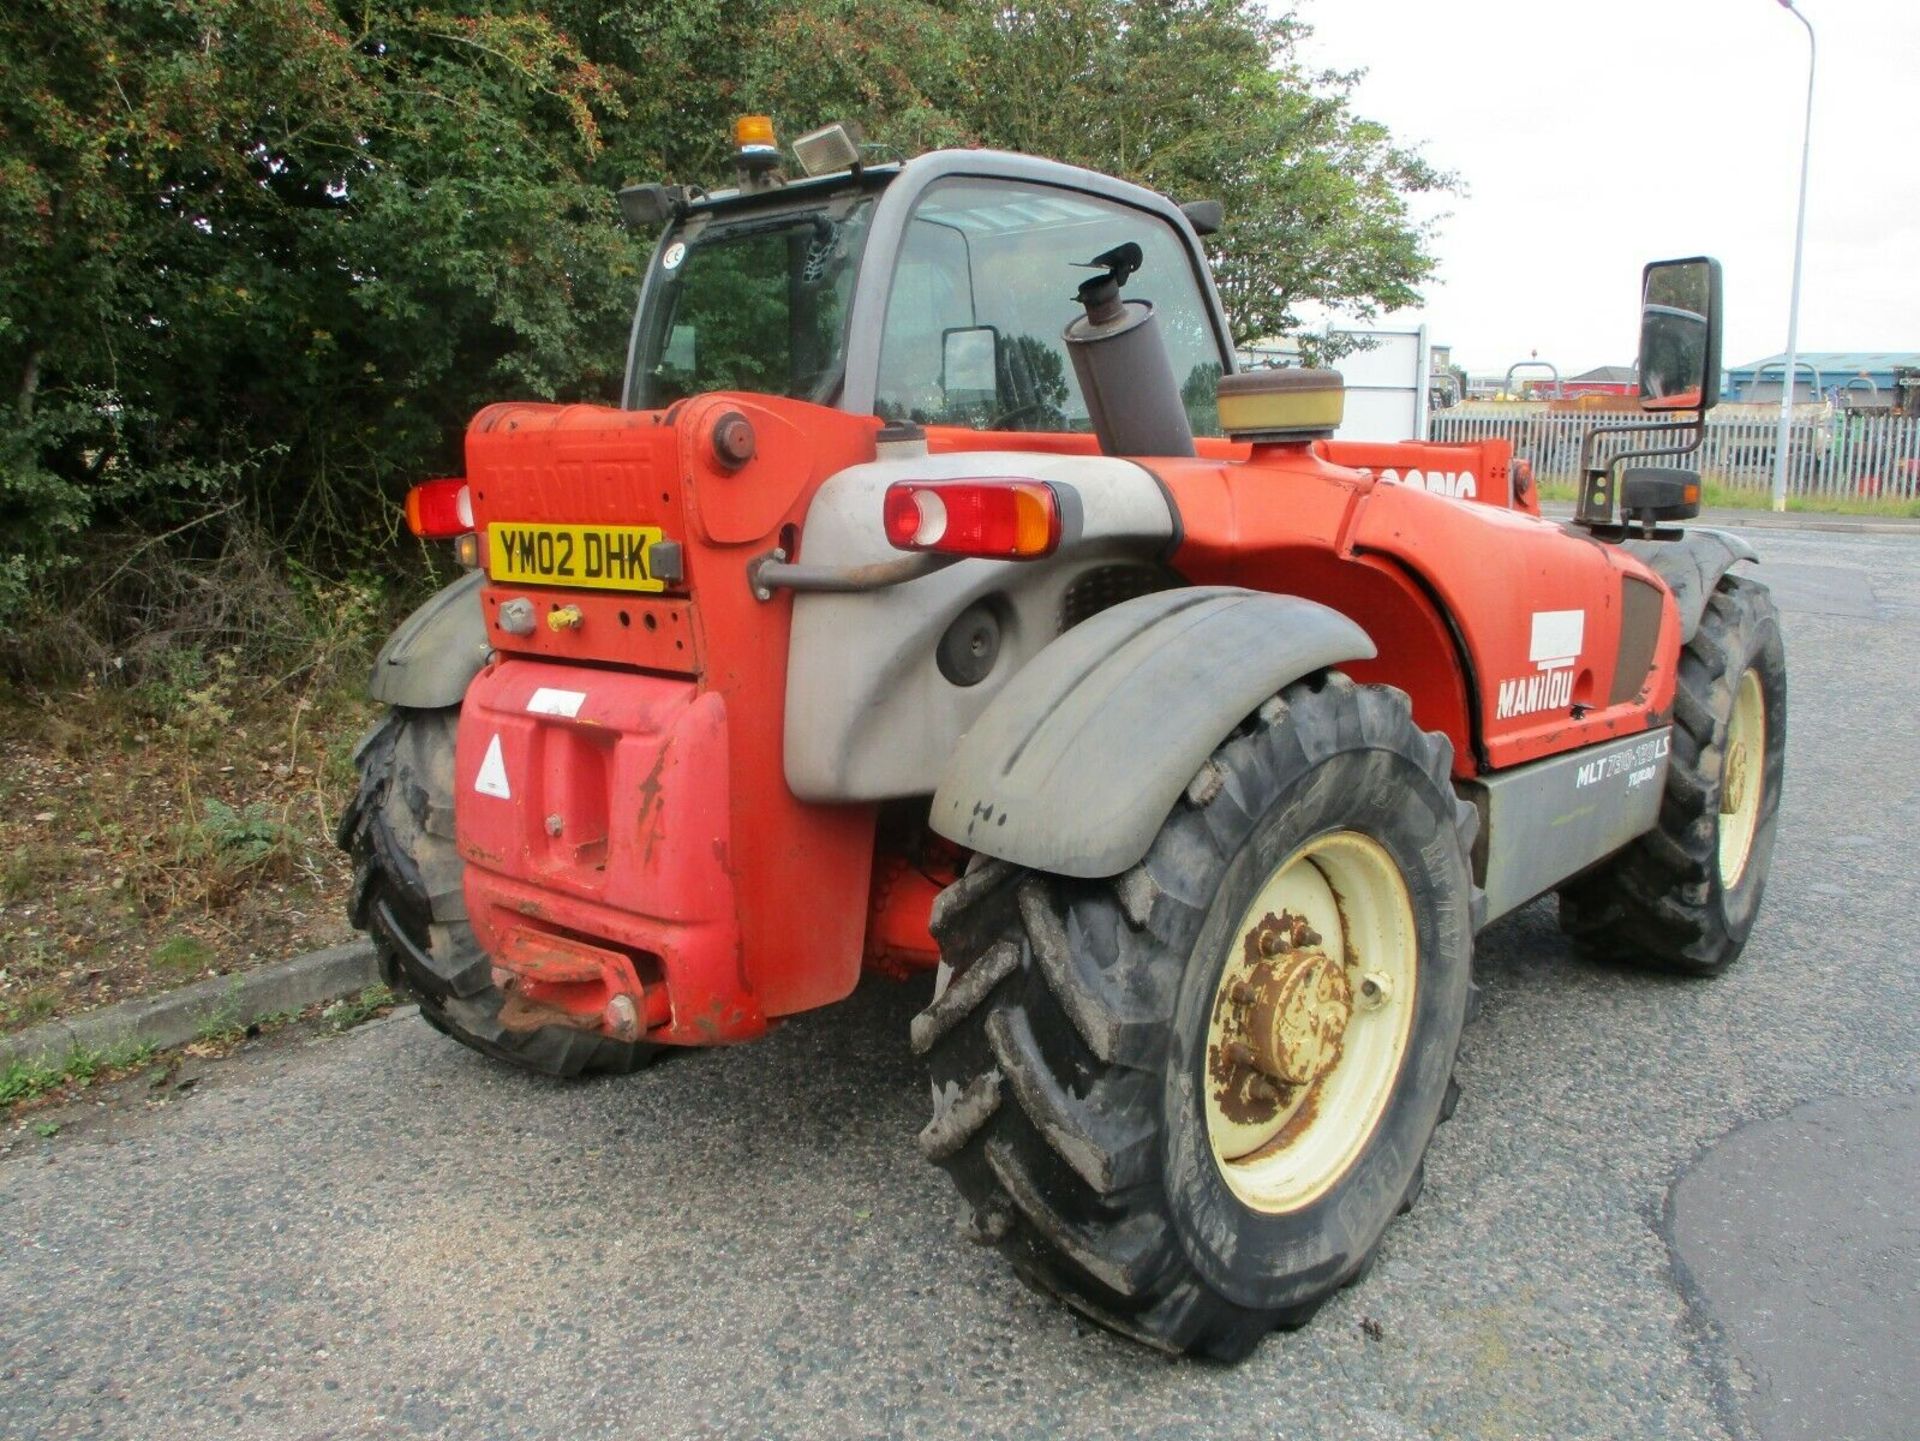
[(385, 1236)]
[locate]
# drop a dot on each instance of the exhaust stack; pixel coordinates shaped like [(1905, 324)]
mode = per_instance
[(1121, 361)]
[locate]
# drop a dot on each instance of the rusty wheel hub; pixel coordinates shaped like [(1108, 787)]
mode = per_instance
[(1280, 1022), (1298, 1005)]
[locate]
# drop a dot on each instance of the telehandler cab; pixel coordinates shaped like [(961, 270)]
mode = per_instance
[(912, 613)]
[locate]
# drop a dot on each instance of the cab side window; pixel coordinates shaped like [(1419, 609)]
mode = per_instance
[(983, 287)]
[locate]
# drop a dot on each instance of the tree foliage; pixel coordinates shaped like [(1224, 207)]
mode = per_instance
[(254, 249), (270, 254)]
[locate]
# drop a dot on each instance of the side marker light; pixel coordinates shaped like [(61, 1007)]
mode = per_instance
[(440, 509)]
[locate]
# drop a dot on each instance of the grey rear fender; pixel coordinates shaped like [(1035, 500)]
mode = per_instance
[(869, 713), (437, 651), (1075, 764), (1692, 567)]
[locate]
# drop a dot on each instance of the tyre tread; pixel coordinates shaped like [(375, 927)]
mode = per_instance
[(1069, 1012), (1657, 904)]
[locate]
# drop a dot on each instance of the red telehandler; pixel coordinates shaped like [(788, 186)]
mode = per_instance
[(940, 597)]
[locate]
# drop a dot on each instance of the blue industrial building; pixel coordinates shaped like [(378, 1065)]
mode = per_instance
[(1856, 379)]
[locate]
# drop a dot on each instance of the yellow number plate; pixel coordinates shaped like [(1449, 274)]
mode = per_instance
[(599, 557)]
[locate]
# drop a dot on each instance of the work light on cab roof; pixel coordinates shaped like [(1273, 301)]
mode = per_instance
[(830, 148)]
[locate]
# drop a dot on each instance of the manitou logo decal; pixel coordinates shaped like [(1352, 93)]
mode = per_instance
[(1458, 483), (1555, 650)]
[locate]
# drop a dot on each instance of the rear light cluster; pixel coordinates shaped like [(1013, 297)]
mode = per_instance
[(1000, 519), (440, 509)]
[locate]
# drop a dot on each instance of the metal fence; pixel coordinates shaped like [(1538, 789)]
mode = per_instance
[(1832, 453)]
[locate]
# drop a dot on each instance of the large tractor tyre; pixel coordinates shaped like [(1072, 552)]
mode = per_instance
[(1189, 1099), (407, 896), (1684, 896)]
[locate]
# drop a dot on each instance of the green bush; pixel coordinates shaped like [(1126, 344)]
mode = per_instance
[(242, 836)]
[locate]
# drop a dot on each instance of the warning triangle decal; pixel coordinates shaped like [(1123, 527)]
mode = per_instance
[(492, 780)]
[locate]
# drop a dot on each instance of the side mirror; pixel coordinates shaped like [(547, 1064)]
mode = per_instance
[(1652, 494), (970, 364), (1680, 335), (1205, 216), (645, 208)]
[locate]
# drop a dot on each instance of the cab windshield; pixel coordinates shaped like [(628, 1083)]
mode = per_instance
[(757, 304)]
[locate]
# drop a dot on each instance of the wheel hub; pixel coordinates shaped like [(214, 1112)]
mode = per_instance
[(1299, 1013), (1742, 776), (1282, 1021), (1733, 790)]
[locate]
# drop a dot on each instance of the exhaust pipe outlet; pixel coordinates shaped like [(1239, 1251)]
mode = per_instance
[(1122, 364)]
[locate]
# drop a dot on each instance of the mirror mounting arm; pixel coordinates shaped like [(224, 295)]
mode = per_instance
[(1595, 509)]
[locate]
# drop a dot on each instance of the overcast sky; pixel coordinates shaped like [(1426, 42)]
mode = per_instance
[(1594, 137)]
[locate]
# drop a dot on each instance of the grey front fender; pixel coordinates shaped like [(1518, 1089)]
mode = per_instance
[(1075, 764), (438, 650), (1692, 567)]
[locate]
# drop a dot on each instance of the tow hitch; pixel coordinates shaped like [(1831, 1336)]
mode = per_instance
[(554, 981)]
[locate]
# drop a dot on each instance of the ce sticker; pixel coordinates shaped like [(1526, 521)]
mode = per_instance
[(676, 253)]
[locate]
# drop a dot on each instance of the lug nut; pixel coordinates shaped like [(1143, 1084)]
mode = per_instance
[(1261, 1089), (1241, 994), (1272, 943), (1376, 989), (1240, 1053)]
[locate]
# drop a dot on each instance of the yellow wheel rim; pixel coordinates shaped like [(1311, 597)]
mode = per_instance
[(1742, 772), (1310, 1021)]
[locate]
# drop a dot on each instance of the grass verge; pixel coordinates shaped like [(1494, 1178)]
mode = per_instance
[(26, 1082), (178, 714), (152, 842), (1720, 497)]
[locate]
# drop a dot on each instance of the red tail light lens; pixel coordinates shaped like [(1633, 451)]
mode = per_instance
[(440, 509), (999, 519)]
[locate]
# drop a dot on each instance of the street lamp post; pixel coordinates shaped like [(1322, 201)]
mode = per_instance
[(1791, 381)]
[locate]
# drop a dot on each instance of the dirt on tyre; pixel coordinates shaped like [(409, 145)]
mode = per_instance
[(1684, 896), (1188, 1100), (407, 896)]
